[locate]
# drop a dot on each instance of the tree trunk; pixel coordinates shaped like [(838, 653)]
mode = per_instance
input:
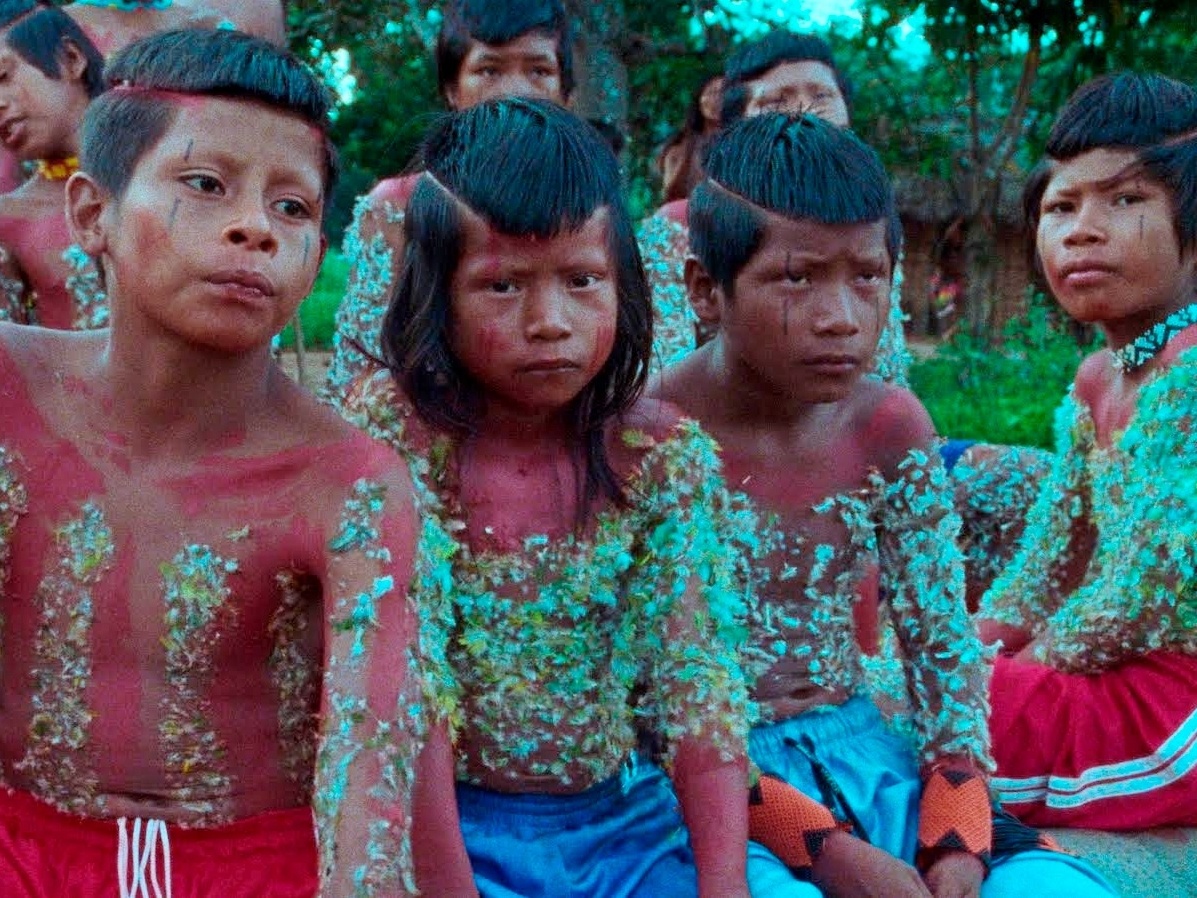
[(602, 88)]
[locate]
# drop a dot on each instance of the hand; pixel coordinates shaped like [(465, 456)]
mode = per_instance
[(957, 874), (1013, 638), (1029, 653), (851, 868)]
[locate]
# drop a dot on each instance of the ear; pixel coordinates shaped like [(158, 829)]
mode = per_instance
[(706, 297), (452, 94), (72, 60), (86, 203)]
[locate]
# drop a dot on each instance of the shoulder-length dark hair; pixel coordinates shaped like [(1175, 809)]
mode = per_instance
[(529, 169)]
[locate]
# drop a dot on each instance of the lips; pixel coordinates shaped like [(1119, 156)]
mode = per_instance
[(10, 130), (1081, 272), (247, 284), (832, 360), (549, 366), (250, 281)]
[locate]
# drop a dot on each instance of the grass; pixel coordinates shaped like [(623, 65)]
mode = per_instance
[(318, 313), (1007, 394)]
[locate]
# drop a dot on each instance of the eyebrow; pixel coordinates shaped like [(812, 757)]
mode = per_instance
[(1129, 172)]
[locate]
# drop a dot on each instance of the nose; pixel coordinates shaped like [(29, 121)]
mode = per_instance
[(1086, 226), (250, 227), (546, 316), (837, 315), (517, 84)]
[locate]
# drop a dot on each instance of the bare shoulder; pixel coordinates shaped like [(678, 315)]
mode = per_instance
[(677, 211), (650, 424), (42, 355), (396, 191), (655, 418), (687, 385), (1093, 377), (337, 458), (892, 421)]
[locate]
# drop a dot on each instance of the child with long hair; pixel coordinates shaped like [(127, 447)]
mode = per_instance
[(485, 50), (593, 598), (1094, 697)]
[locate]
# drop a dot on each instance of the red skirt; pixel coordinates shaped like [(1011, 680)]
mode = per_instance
[(1115, 750), (45, 853)]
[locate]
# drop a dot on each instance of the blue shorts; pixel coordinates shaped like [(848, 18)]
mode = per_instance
[(877, 781), (619, 839), (951, 450)]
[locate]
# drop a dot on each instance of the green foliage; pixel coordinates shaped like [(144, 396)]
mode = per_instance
[(319, 310), (1006, 394)]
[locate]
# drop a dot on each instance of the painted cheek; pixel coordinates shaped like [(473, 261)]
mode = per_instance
[(604, 342), (488, 344)]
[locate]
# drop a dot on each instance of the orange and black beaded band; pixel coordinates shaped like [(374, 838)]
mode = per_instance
[(955, 814), (790, 824)]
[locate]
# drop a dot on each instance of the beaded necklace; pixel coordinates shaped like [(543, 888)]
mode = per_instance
[(127, 5), (1147, 345), (58, 169)]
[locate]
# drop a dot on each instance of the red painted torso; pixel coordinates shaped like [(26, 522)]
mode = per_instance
[(162, 625)]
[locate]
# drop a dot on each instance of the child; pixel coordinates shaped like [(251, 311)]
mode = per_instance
[(680, 161), (112, 24), (49, 71), (484, 50), (784, 72), (1095, 693), (591, 597), (187, 539), (795, 234)]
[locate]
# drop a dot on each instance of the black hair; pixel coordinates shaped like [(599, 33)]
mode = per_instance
[(530, 169), (1153, 116), (778, 47), (11, 10), (38, 34), (495, 23), (691, 141), (125, 122), (797, 166)]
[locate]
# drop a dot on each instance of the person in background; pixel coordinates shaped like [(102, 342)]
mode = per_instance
[(484, 50)]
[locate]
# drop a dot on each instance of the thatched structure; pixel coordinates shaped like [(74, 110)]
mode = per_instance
[(928, 206)]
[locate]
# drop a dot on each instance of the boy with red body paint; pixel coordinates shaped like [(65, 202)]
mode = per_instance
[(49, 71), (485, 50), (116, 24), (1094, 696), (795, 234), (189, 542)]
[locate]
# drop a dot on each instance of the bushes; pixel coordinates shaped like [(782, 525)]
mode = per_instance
[(1005, 394)]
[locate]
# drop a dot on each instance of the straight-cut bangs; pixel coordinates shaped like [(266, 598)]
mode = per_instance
[(799, 167), (529, 169)]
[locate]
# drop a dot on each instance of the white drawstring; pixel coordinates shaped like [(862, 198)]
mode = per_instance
[(133, 859)]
